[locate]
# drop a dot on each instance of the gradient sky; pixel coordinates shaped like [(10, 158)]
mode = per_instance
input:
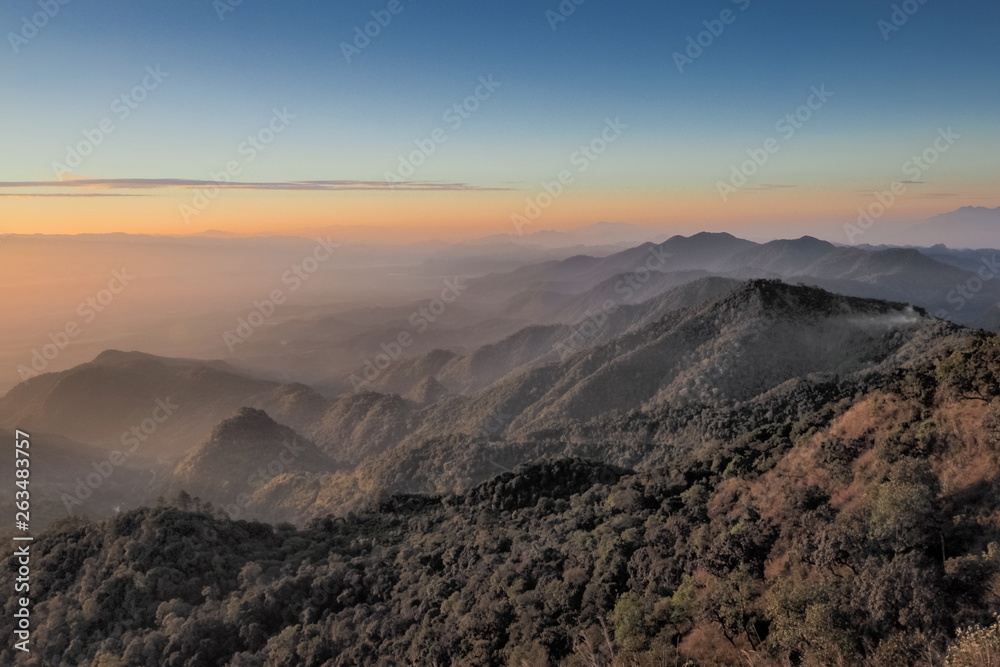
[(607, 60)]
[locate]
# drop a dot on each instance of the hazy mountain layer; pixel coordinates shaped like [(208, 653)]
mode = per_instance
[(154, 406)]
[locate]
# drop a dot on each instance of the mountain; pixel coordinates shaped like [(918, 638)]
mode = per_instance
[(359, 425), (597, 234), (426, 391), (854, 527), (728, 349), (552, 291), (167, 405), (966, 227), (328, 349), (602, 313), (783, 257), (547, 306), (710, 347), (663, 378), (684, 460), (578, 274), (705, 250), (243, 453), (71, 478)]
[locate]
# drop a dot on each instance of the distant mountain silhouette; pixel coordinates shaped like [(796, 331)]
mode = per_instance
[(552, 291), (600, 233), (327, 350), (174, 403), (966, 227)]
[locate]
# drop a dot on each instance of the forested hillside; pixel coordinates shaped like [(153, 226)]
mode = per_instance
[(863, 529)]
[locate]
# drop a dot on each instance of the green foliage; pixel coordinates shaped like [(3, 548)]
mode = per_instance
[(682, 602), (973, 372), (733, 603), (904, 510), (628, 620), (836, 455), (738, 466), (919, 438)]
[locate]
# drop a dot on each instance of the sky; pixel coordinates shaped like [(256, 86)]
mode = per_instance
[(121, 116)]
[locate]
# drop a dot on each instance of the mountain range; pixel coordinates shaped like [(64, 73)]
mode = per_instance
[(704, 449), (712, 345), (829, 499)]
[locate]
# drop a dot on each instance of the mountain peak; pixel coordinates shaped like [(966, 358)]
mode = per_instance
[(115, 357), (247, 422), (776, 296), (978, 209), (803, 243), (812, 240), (965, 227), (426, 391), (125, 358), (244, 452), (712, 235)]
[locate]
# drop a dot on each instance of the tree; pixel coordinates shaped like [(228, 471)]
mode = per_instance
[(904, 511), (182, 500), (628, 620), (976, 647), (733, 604), (973, 373)]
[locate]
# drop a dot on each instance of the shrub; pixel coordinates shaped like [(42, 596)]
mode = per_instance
[(976, 646)]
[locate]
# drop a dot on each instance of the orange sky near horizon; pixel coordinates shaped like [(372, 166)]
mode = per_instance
[(452, 215)]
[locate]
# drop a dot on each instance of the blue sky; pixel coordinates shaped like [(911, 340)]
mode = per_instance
[(607, 60)]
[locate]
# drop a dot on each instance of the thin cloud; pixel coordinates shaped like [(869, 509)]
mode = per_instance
[(869, 191), (187, 184), (67, 194), (771, 186)]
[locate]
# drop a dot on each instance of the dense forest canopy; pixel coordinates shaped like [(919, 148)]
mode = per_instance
[(850, 529)]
